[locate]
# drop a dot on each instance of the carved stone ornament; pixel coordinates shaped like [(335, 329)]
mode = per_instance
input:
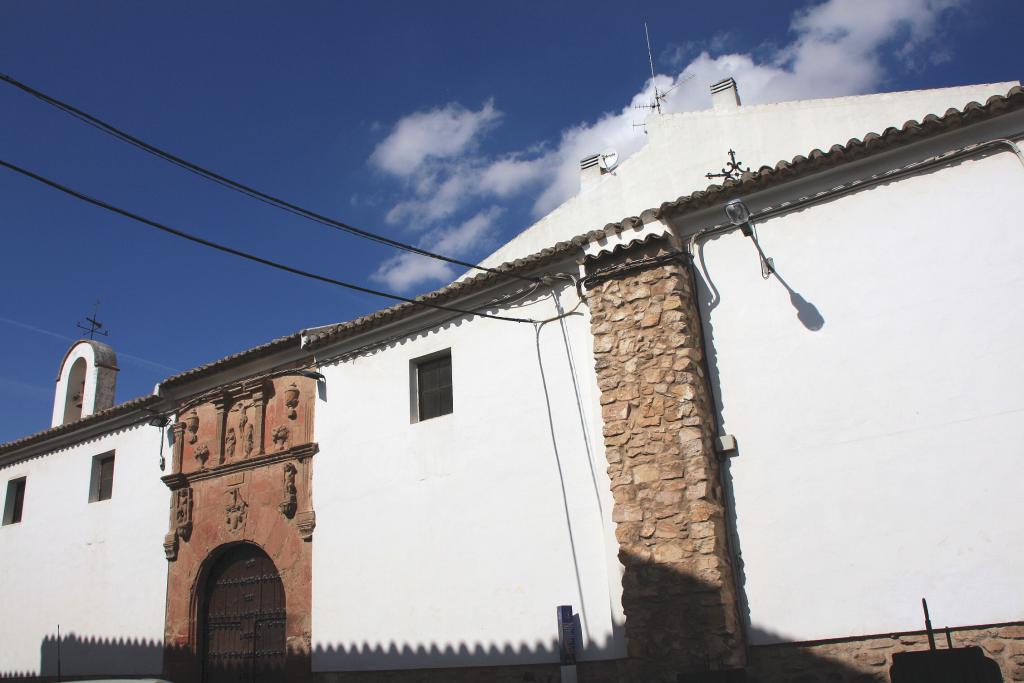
[(171, 546), (202, 453), (291, 400), (291, 499), (305, 521), (280, 437), (192, 425), (183, 513), (236, 510), (230, 443), (244, 432)]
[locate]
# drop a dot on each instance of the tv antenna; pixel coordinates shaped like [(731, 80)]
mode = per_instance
[(95, 326), (659, 96)]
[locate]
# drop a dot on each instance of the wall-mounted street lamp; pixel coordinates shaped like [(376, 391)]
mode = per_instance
[(739, 215)]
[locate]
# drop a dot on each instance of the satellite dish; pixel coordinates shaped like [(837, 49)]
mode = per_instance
[(609, 160)]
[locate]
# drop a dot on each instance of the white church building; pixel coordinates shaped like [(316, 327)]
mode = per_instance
[(743, 430)]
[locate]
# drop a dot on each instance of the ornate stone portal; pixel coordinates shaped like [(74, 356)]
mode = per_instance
[(241, 472)]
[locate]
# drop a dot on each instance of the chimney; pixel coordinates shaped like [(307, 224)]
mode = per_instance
[(724, 95), (590, 170)]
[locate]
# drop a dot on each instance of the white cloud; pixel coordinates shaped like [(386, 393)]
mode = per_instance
[(507, 176), (838, 47), (406, 271), (439, 133)]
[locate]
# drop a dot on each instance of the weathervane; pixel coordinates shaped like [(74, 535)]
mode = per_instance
[(732, 170), (94, 325)]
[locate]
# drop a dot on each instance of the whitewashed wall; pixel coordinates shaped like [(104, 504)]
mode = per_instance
[(682, 147), (96, 569), (880, 456), (446, 542)]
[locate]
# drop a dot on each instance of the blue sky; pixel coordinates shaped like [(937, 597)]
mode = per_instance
[(451, 125)]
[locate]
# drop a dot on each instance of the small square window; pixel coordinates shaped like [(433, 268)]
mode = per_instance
[(15, 501), (101, 484), (432, 376)]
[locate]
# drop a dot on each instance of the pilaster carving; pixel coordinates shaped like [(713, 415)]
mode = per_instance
[(183, 513), (178, 432), (219, 403), (171, 546), (291, 498), (305, 521), (258, 397)]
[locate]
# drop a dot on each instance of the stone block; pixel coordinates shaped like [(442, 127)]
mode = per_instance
[(627, 513), (993, 645), (646, 473), (618, 410)]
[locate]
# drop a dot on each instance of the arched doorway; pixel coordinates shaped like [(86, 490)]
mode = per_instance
[(243, 619)]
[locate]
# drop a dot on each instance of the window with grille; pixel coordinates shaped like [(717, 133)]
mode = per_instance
[(433, 386), (15, 501), (101, 485)]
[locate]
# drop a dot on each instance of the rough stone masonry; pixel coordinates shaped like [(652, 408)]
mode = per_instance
[(679, 596)]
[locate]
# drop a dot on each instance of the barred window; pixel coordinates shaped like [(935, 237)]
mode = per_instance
[(15, 501), (101, 484), (433, 386)]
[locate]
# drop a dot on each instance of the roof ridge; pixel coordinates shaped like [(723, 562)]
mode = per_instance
[(766, 176), (841, 98), (783, 171)]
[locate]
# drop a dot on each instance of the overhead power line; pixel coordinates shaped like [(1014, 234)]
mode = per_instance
[(237, 186), (245, 255)]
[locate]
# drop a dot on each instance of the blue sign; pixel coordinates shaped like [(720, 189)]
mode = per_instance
[(566, 635)]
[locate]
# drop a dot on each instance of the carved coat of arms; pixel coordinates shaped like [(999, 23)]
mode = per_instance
[(235, 511)]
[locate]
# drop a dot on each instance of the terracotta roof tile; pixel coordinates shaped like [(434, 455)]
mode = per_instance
[(95, 418), (764, 177), (247, 355)]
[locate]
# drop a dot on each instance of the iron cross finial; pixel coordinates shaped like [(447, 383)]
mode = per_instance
[(732, 170)]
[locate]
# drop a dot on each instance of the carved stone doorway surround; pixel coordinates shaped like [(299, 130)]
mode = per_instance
[(241, 474)]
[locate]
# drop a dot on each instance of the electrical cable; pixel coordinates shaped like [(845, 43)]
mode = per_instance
[(512, 297), (860, 183), (247, 190), (607, 272), (246, 255)]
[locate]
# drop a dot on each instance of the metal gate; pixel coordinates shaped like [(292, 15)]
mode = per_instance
[(244, 619)]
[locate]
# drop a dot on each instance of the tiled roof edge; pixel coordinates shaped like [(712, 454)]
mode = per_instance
[(817, 160), (249, 354), (111, 413), (321, 335), (766, 176), (854, 149)]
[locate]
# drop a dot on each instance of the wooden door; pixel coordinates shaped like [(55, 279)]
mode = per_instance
[(244, 619)]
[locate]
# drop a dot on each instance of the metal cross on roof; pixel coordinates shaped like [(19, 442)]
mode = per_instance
[(732, 170), (94, 325)]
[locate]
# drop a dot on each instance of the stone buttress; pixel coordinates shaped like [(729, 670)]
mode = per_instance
[(679, 594)]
